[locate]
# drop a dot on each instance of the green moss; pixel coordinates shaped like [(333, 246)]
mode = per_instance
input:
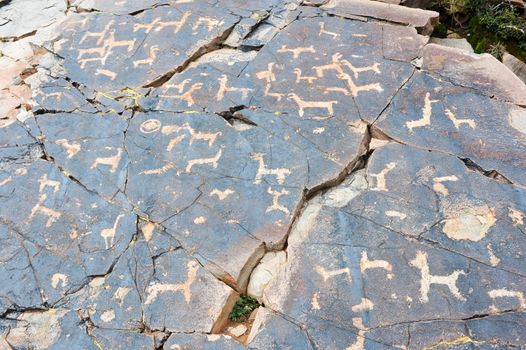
[(243, 307), (440, 31)]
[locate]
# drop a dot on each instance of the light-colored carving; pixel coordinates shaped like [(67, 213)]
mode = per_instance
[(210, 137), (275, 201), (106, 72), (186, 96), (108, 234), (296, 52), (104, 51), (279, 173), (326, 274), (427, 279), (493, 259), (44, 182), (365, 305), (199, 220), (302, 105), (366, 264), (300, 78), (324, 31), (179, 87), (152, 56), (505, 293), (222, 195), (184, 288), (224, 88), (439, 187), (315, 301), (318, 131), (209, 23), (201, 161), (147, 231), (381, 184), (112, 162), (516, 216), (52, 215), (6, 180), (173, 142), (269, 76), (59, 278), (458, 122), (159, 171), (160, 25), (395, 214), (149, 126), (359, 344), (120, 294), (107, 316), (99, 35), (71, 148), (427, 111)]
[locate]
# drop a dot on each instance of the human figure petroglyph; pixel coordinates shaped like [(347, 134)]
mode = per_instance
[(338, 65), (296, 52), (439, 187), (160, 25), (152, 56), (427, 111), (106, 72), (103, 51), (224, 88), (458, 122), (324, 31), (269, 76), (45, 182), (279, 173), (302, 105), (108, 234), (275, 201), (208, 23), (326, 274), (366, 264), (39, 208), (186, 96), (420, 262), (505, 293), (184, 288), (72, 149), (300, 78), (201, 161), (381, 184), (365, 305), (222, 195), (210, 137), (112, 162)]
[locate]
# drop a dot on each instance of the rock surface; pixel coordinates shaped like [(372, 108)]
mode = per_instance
[(160, 158)]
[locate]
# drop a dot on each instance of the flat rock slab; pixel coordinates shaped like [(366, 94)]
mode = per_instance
[(159, 158)]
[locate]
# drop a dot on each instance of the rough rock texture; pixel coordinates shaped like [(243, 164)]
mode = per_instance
[(158, 158)]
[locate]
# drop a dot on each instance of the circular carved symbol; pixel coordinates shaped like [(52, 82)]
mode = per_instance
[(149, 126)]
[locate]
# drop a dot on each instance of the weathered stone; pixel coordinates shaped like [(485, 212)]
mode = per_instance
[(515, 65), (462, 44), (202, 341)]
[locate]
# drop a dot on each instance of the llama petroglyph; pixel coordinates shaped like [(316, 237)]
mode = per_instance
[(39, 208), (224, 88), (108, 234), (269, 76), (296, 52), (184, 288), (72, 149), (275, 201), (300, 77), (381, 184), (179, 87), (209, 137), (328, 274), (366, 264), (101, 54), (159, 25), (302, 105), (279, 173), (99, 35), (458, 122), (427, 111), (112, 162), (324, 31), (45, 182), (202, 161), (208, 23), (187, 96), (427, 279), (152, 56), (439, 187)]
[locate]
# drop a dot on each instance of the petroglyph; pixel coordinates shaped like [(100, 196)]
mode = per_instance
[(365, 305), (381, 184), (39, 208), (395, 214), (149, 126), (184, 288), (505, 293), (44, 182), (179, 87), (359, 344), (493, 259), (186, 96), (326, 274), (296, 52), (279, 173), (224, 88), (439, 187), (106, 72), (300, 78), (269, 76), (208, 23), (71, 148), (108, 234), (152, 56), (323, 31), (120, 294), (210, 137), (175, 141), (159, 25), (420, 262), (366, 264), (112, 162), (107, 316), (302, 105), (6, 180), (202, 161), (99, 35), (471, 223), (275, 201), (427, 111), (516, 216), (222, 195), (159, 171), (102, 53), (59, 278), (199, 220), (458, 122), (315, 301)]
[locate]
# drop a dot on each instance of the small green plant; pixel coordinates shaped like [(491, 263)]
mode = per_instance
[(243, 307), (498, 50)]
